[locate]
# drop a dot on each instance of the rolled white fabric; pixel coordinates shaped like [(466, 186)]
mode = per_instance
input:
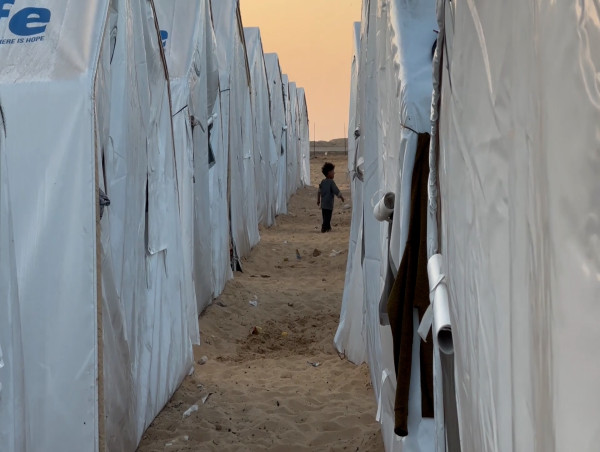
[(384, 209), (442, 326)]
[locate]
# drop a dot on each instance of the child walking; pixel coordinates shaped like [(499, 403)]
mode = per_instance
[(326, 193)]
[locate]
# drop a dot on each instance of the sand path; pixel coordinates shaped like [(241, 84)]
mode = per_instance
[(273, 380)]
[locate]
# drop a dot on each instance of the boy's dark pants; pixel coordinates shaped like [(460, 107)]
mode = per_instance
[(327, 213)]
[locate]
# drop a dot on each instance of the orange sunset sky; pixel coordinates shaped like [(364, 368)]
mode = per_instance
[(314, 41)]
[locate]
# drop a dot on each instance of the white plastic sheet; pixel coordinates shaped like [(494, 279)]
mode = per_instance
[(147, 334), (278, 125), (393, 74), (218, 172), (303, 137), (47, 145), (13, 419), (350, 337), (219, 201), (519, 188), (290, 159), (293, 158), (236, 112), (184, 40), (265, 153), (86, 304)]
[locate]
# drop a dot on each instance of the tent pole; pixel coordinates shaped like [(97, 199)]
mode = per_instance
[(314, 140), (99, 325), (345, 135)]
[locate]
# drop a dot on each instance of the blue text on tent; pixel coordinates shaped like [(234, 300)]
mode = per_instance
[(27, 21)]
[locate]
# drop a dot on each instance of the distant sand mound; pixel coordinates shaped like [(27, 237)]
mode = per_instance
[(336, 142)]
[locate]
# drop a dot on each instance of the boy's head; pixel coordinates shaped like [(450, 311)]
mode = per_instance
[(327, 168)]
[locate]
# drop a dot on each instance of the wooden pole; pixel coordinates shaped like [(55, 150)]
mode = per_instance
[(314, 140), (345, 135)]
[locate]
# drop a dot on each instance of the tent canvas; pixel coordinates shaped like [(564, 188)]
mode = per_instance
[(380, 161), (290, 146), (101, 302), (265, 152), (184, 34), (51, 175), (13, 423), (293, 145), (350, 337), (303, 138), (236, 109), (519, 220), (278, 126), (147, 334), (97, 305)]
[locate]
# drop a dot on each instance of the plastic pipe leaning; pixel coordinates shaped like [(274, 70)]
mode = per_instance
[(384, 209), (442, 326)]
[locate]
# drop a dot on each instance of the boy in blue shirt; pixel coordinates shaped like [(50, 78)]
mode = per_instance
[(326, 193)]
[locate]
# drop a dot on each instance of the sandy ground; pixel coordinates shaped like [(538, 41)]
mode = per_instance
[(272, 379)]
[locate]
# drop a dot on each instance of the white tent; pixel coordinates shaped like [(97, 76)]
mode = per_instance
[(219, 199), (278, 125), (219, 169), (293, 145), (147, 333), (519, 202), (47, 159), (185, 33), (350, 337), (265, 151), (303, 137), (289, 144), (236, 112), (99, 304), (511, 212), (13, 423), (391, 101)]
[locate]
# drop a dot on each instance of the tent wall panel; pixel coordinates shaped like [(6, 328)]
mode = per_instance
[(236, 110), (350, 336), (219, 200), (98, 314), (147, 331), (278, 125), (181, 22), (290, 145), (519, 201), (49, 332), (13, 419), (294, 148), (218, 173), (303, 138), (265, 153), (391, 101)]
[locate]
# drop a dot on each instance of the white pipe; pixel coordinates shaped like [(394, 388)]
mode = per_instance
[(384, 209), (442, 326), (211, 119)]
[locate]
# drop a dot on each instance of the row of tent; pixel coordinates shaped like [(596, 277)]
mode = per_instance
[(169, 112), (474, 261)]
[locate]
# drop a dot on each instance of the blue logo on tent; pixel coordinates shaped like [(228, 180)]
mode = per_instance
[(24, 22), (164, 35)]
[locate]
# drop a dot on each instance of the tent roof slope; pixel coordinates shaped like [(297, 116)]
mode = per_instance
[(413, 25), (254, 47), (63, 44), (180, 22), (226, 18), (302, 101), (356, 38)]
